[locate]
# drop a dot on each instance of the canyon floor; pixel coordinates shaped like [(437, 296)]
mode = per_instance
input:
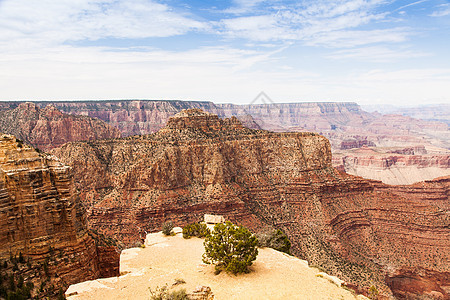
[(274, 275)]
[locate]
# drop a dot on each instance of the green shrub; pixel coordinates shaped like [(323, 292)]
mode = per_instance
[(231, 248), (167, 228), (373, 292), (195, 229), (274, 239), (163, 293)]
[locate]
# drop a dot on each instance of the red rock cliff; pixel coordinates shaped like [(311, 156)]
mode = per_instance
[(201, 164), (48, 128), (43, 221)]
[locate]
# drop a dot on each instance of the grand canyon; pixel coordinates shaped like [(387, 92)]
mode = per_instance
[(116, 170)]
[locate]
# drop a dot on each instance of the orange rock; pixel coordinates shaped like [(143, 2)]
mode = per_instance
[(42, 219)]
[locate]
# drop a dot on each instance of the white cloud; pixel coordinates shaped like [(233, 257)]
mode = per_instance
[(54, 22), (411, 4), (215, 73), (325, 23), (354, 38), (37, 63), (96, 73), (380, 54), (257, 28), (444, 10)]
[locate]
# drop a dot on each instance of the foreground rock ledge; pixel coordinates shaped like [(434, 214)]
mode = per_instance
[(274, 275)]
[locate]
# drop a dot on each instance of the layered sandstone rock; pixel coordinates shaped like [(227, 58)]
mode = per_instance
[(43, 221), (131, 117), (356, 143), (201, 164), (400, 167), (48, 127)]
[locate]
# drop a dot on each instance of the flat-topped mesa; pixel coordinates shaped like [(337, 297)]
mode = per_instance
[(201, 120)]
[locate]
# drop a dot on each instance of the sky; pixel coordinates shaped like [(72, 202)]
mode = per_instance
[(365, 51)]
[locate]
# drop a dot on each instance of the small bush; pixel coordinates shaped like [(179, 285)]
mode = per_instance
[(274, 239), (163, 293), (231, 248), (195, 229), (373, 293), (167, 228)]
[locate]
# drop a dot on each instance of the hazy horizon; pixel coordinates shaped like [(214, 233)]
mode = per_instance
[(370, 52), (367, 107)]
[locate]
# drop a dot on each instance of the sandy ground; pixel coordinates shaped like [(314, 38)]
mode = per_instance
[(164, 259)]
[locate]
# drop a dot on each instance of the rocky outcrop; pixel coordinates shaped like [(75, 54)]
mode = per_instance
[(201, 164), (43, 222), (417, 150), (356, 143), (48, 127)]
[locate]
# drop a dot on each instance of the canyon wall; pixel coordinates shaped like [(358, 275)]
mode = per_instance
[(393, 167), (200, 164), (43, 231), (46, 128), (131, 117), (336, 121)]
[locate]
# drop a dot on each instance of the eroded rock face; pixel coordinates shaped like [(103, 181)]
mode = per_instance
[(42, 220), (201, 164), (48, 127), (399, 167), (356, 143)]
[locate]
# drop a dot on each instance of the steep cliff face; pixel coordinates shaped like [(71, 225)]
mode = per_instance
[(201, 164), (408, 282), (42, 220), (48, 128)]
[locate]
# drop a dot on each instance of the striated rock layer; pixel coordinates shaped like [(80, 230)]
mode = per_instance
[(200, 164), (48, 127), (400, 167), (339, 122), (43, 221)]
